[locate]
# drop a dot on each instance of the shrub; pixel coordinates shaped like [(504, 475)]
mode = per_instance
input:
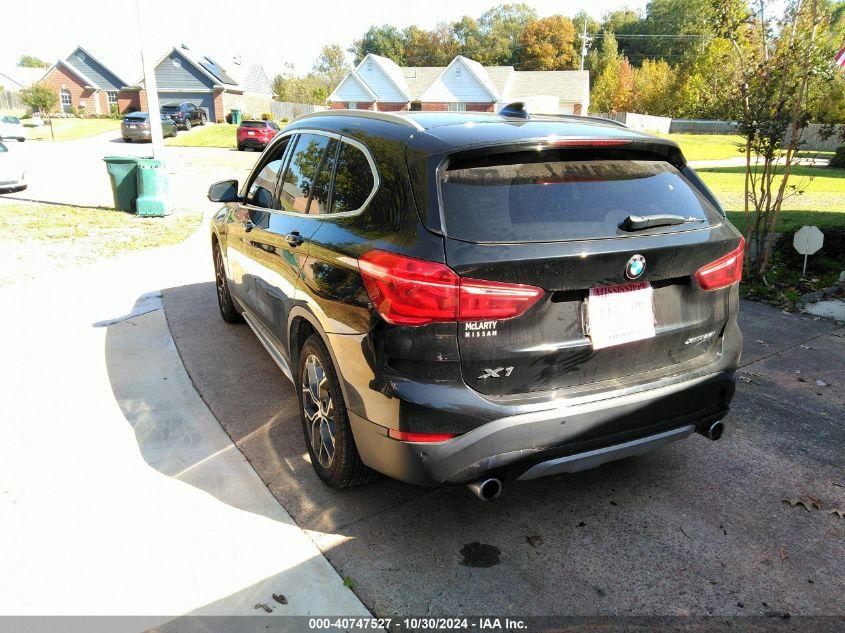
[(219, 120), (114, 111), (838, 159), (267, 116), (229, 118), (247, 117)]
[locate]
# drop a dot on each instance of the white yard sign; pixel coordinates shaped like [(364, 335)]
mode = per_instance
[(808, 240)]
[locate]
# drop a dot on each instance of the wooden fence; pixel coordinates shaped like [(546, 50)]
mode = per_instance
[(289, 111)]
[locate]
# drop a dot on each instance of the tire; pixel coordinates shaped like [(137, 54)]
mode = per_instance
[(202, 119), (127, 140), (21, 139), (228, 312), (240, 147), (187, 124), (335, 458)]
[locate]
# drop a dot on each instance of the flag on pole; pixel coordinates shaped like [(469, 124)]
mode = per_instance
[(840, 58)]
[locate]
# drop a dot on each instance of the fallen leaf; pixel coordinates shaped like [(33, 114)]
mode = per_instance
[(807, 347), (534, 541), (838, 512), (280, 598), (783, 554), (764, 343), (266, 607), (821, 383), (809, 503)]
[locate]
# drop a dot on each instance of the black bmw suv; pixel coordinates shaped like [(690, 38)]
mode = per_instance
[(475, 298)]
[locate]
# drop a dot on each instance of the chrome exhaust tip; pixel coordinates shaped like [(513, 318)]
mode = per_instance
[(714, 431), (486, 489)]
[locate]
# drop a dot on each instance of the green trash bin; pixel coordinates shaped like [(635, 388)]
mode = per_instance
[(153, 188), (124, 184), (237, 116)]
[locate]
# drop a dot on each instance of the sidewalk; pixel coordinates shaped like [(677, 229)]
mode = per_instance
[(119, 491)]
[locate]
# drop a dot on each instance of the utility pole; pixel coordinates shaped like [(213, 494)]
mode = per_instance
[(146, 16), (584, 43)]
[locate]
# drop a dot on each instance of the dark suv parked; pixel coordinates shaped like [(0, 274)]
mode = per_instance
[(473, 298), (185, 115)]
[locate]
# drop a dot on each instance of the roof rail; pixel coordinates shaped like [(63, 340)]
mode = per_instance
[(390, 117), (583, 117)]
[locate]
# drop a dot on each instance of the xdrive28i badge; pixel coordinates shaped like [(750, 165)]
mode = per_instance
[(635, 267)]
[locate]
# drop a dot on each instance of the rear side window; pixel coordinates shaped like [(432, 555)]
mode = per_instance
[(353, 181), (562, 200), (302, 170)]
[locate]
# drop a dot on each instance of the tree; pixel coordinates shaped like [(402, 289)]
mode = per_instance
[(707, 81), (469, 39), (39, 98), (382, 40), (30, 61), (548, 44), (331, 65), (777, 76), (655, 88), (500, 28), (428, 48), (308, 89)]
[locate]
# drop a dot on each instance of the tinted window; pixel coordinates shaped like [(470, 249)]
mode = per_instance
[(320, 191), (261, 191), (170, 108), (562, 200), (302, 170), (272, 125), (353, 181), (11, 119), (252, 124), (3, 148), (138, 117)]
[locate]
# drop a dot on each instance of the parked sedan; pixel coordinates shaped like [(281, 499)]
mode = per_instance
[(11, 127), (12, 176), (256, 134), (136, 127)]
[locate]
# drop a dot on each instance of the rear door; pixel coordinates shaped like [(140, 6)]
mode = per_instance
[(552, 220), (280, 236)]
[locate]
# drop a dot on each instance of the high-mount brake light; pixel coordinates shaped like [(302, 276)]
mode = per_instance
[(409, 291), (723, 272)]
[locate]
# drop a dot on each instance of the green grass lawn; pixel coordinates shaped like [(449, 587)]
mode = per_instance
[(708, 146), (822, 202), (70, 129), (37, 238), (208, 135)]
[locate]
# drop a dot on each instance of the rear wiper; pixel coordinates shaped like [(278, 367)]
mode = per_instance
[(640, 222)]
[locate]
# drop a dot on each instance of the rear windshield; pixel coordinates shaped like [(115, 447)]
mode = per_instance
[(563, 200), (11, 119), (141, 116), (170, 108), (252, 124)]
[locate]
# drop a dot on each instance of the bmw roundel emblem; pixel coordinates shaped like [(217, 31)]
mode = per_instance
[(635, 267)]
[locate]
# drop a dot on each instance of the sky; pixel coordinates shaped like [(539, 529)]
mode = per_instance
[(269, 31)]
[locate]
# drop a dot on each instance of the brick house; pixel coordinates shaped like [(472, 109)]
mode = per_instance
[(378, 83), (87, 85), (183, 77)]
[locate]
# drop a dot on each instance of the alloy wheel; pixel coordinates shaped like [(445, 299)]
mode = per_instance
[(319, 411), (219, 278)]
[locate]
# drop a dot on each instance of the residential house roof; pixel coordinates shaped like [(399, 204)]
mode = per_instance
[(89, 70), (504, 83)]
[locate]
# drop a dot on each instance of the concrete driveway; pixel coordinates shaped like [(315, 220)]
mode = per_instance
[(73, 172), (699, 528)]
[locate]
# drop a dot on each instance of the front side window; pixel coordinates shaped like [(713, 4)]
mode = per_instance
[(261, 192), (353, 181), (305, 162)]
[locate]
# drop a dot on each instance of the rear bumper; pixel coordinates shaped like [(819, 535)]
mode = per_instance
[(252, 142), (136, 134), (608, 426)]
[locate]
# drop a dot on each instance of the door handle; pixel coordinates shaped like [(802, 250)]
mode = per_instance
[(294, 239), (248, 226)]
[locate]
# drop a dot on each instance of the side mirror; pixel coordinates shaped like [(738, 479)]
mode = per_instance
[(224, 191)]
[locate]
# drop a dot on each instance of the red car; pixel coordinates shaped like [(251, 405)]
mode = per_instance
[(256, 134)]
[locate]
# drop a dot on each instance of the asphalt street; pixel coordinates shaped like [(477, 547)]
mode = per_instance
[(698, 528)]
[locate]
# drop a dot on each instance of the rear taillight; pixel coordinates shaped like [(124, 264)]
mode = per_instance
[(724, 272), (429, 438), (408, 291)]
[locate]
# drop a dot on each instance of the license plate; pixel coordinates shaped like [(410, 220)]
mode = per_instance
[(620, 314), (251, 133)]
